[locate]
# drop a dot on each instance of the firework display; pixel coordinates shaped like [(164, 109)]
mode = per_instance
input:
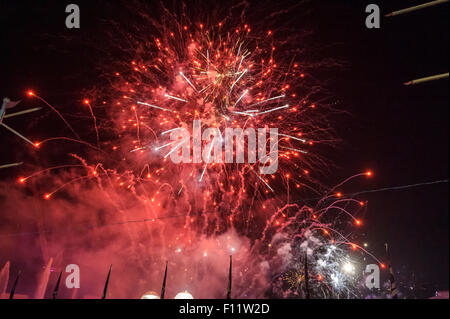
[(199, 158)]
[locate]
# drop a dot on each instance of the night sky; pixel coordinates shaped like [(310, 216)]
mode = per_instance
[(400, 133)]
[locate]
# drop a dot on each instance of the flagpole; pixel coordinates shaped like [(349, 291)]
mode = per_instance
[(55, 291), (307, 296), (13, 289), (427, 79), (105, 290), (415, 8), (230, 278), (393, 287), (22, 112), (163, 289), (17, 133)]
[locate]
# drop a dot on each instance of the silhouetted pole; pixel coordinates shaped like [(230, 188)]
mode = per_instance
[(105, 290), (427, 79), (55, 291), (393, 287), (419, 7), (163, 289), (307, 296), (13, 289), (230, 278)]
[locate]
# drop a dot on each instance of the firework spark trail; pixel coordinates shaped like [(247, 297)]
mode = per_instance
[(237, 80), (137, 125), (189, 82), (267, 100), (169, 131), (24, 179), (49, 195), (154, 106), (209, 156), (87, 102), (229, 79), (164, 146), (39, 144), (240, 98), (22, 112), (262, 180), (294, 149), (32, 94), (175, 98), (176, 147), (274, 109)]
